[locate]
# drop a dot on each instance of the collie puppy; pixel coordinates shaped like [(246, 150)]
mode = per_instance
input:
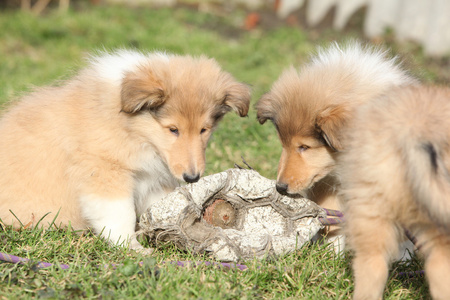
[(395, 175), (311, 107), (97, 149)]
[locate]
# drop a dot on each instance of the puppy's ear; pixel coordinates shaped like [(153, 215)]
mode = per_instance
[(141, 91), (330, 123), (264, 109), (238, 98)]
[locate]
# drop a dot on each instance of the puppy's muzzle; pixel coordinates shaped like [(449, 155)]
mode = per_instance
[(191, 178), (282, 188)]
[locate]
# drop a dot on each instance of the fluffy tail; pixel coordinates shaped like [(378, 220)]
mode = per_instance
[(429, 177)]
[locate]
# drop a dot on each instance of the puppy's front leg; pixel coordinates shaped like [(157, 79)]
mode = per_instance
[(375, 243), (113, 219), (435, 245)]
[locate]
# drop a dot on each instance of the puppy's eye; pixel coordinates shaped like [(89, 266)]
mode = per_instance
[(303, 148), (174, 130), (203, 130)]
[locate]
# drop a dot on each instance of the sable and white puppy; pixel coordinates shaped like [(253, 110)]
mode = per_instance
[(100, 147), (311, 107), (396, 174)]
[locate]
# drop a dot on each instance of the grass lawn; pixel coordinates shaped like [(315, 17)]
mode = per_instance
[(36, 51)]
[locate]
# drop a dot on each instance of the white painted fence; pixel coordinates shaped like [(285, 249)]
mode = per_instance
[(423, 21)]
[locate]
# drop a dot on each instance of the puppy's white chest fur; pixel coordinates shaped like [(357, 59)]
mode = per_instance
[(115, 219), (152, 181)]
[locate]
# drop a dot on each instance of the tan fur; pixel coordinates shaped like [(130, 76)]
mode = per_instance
[(99, 138), (395, 175), (304, 104), (310, 109)]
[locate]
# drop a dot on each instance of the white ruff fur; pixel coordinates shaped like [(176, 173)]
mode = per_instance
[(152, 182)]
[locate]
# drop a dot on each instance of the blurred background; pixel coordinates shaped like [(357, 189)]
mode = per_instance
[(42, 41)]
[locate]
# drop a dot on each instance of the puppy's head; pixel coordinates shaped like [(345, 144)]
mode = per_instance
[(308, 126), (175, 103), (310, 108)]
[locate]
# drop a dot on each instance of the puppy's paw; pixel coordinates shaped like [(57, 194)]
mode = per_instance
[(144, 251), (136, 246)]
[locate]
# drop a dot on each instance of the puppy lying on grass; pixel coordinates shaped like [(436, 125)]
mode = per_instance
[(100, 147)]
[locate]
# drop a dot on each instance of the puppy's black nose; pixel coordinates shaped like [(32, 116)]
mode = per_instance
[(282, 188), (190, 178)]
